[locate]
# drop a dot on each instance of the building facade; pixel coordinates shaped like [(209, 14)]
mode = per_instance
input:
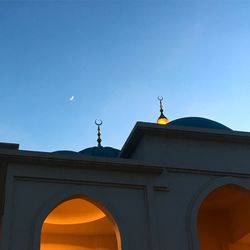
[(180, 186)]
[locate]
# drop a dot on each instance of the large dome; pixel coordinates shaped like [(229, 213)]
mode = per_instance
[(198, 122)]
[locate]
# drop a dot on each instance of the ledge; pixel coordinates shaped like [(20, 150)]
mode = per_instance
[(85, 162)]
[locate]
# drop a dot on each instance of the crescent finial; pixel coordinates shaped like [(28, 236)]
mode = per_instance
[(162, 118), (98, 123), (160, 98)]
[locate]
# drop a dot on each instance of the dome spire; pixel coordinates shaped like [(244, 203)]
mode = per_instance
[(99, 140), (162, 118)]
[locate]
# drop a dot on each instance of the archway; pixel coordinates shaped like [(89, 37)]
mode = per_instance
[(79, 224), (223, 219)]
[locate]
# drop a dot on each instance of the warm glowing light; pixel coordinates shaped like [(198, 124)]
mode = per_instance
[(74, 211), (162, 120), (60, 247), (223, 219), (79, 224)]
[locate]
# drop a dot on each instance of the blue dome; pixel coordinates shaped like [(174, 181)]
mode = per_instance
[(198, 122), (65, 152), (100, 151)]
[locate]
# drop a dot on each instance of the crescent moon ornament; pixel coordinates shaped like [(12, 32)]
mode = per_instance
[(160, 98), (98, 123)]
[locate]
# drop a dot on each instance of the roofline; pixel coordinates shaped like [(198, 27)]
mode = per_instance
[(145, 128), (20, 157), (7, 145), (85, 162)]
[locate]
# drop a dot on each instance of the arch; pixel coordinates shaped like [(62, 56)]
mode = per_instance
[(95, 221), (199, 198)]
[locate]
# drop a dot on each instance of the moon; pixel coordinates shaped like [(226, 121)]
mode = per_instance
[(71, 98)]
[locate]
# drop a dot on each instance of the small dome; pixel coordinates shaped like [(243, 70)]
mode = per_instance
[(100, 151), (198, 122), (65, 152)]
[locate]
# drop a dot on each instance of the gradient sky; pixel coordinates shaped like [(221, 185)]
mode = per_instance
[(115, 58)]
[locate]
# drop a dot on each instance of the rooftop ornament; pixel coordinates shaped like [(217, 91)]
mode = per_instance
[(99, 140), (99, 150), (162, 118)]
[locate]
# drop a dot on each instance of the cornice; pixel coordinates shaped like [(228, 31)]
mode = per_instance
[(85, 162)]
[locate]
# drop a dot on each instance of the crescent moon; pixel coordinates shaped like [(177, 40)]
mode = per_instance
[(98, 123), (160, 98)]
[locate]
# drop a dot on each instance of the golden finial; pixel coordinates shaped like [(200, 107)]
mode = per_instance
[(99, 140), (162, 118)]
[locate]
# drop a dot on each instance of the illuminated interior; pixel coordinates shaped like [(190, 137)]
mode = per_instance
[(223, 219), (78, 224)]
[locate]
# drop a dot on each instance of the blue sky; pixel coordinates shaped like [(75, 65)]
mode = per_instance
[(115, 58)]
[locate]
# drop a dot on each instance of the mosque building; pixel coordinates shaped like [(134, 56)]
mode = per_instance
[(174, 185)]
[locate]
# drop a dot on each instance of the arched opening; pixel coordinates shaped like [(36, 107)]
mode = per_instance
[(79, 224), (223, 219)]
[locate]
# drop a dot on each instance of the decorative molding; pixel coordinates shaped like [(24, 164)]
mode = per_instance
[(81, 182)]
